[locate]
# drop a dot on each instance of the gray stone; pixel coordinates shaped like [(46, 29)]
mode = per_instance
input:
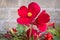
[(57, 4), (45, 3), (57, 24), (3, 14), (6, 25), (11, 25), (55, 15), (2, 3), (8, 3), (14, 14)]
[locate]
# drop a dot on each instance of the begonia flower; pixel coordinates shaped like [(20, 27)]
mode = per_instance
[(41, 21), (27, 15)]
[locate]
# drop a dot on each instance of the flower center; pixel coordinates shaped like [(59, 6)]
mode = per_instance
[(29, 14)]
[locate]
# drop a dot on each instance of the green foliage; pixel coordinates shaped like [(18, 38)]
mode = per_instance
[(56, 38), (55, 32), (3, 39), (21, 33), (20, 29), (32, 38), (52, 31)]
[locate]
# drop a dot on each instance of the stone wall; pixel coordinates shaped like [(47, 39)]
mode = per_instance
[(8, 10)]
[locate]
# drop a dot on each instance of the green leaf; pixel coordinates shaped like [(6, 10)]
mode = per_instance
[(3, 39), (51, 30), (56, 38), (26, 28), (20, 29), (15, 38), (58, 32)]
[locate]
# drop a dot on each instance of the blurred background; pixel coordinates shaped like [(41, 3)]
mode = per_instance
[(8, 11)]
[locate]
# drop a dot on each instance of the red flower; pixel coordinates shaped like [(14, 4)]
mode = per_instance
[(41, 21), (7, 35), (48, 36), (27, 15), (34, 33)]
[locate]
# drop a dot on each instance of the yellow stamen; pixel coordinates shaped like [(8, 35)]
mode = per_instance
[(29, 14)]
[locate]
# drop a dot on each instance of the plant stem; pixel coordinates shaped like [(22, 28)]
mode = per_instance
[(30, 31), (38, 37)]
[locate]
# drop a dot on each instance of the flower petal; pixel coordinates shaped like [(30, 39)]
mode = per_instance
[(33, 32), (22, 11), (42, 27), (23, 21), (34, 8), (43, 17)]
